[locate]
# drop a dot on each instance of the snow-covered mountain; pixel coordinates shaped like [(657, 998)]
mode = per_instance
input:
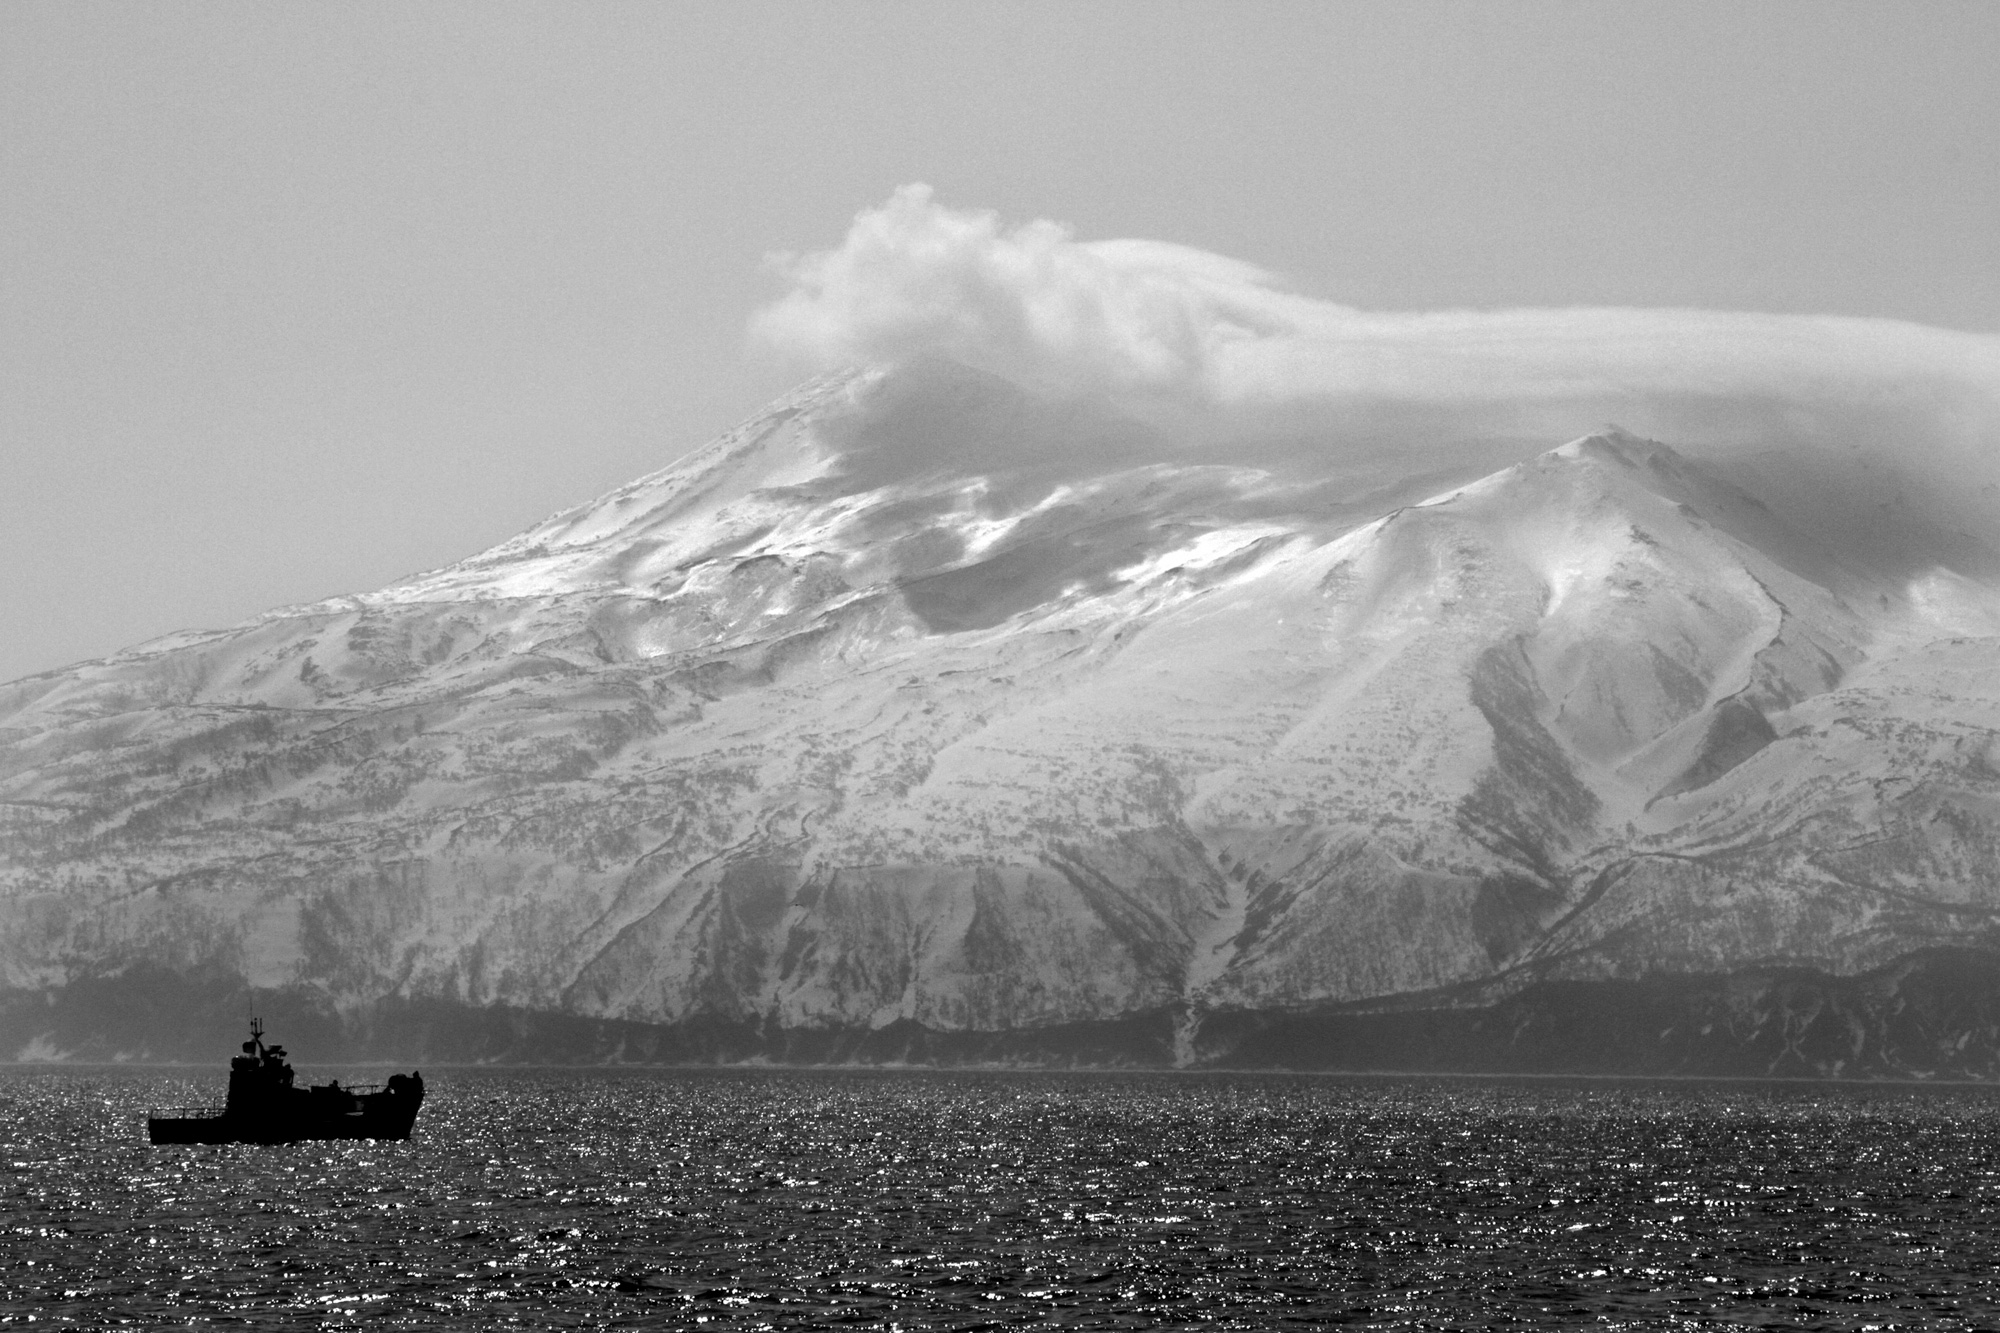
[(925, 718)]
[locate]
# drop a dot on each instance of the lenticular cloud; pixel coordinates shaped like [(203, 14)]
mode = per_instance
[(1876, 409), (1041, 307)]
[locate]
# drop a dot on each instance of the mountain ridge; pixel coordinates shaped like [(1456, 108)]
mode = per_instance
[(921, 705)]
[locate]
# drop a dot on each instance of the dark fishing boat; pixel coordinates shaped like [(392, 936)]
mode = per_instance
[(264, 1106)]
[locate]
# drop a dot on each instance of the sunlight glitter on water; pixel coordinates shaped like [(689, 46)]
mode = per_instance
[(775, 1199)]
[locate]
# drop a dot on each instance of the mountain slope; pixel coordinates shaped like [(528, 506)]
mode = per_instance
[(920, 715)]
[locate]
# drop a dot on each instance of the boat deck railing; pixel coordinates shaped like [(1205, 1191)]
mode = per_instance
[(185, 1112)]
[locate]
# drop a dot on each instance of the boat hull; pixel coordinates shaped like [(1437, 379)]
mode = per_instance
[(387, 1123)]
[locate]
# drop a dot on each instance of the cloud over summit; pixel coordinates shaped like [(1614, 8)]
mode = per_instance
[(1876, 407), (1037, 305)]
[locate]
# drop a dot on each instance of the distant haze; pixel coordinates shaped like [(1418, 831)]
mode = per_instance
[(295, 301)]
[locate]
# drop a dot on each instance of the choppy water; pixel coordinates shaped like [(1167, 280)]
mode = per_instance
[(741, 1200)]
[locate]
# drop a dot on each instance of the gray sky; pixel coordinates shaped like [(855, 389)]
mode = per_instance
[(295, 300)]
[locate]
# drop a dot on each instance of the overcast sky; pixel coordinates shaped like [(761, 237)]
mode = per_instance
[(295, 300)]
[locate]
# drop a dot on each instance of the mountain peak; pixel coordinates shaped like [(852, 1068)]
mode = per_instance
[(1616, 442)]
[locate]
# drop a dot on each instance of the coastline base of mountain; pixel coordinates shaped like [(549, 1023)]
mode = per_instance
[(1930, 1015)]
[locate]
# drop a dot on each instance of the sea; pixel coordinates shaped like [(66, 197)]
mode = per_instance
[(918, 1199)]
